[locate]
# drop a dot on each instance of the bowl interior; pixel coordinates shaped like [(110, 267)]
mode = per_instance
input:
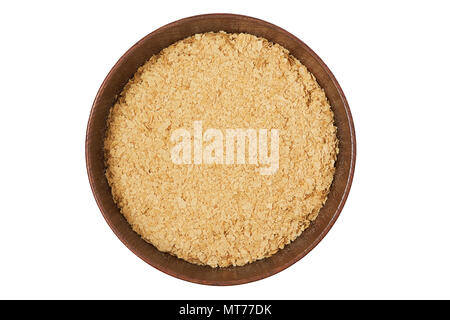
[(124, 70)]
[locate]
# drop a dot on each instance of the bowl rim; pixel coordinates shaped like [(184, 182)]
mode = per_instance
[(301, 254)]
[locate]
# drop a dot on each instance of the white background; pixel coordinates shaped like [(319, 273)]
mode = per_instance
[(392, 239)]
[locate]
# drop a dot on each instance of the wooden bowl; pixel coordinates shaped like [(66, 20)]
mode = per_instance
[(125, 69)]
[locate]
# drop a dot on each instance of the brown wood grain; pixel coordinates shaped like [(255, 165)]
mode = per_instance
[(125, 68)]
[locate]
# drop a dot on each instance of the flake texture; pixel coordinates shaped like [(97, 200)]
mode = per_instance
[(220, 215)]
